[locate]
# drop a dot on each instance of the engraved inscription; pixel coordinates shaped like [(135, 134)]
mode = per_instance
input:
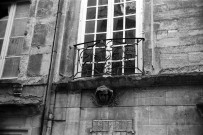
[(112, 125)]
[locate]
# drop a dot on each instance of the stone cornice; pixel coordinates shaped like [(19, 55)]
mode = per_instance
[(132, 81)]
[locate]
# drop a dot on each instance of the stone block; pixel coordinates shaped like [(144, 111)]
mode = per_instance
[(72, 114), (74, 100), (85, 127), (151, 130), (40, 33), (168, 42), (195, 57), (37, 91), (153, 96), (167, 115), (58, 128), (161, 34), (183, 95), (192, 116), (34, 65), (61, 99), (174, 60), (185, 130), (72, 128), (35, 131), (60, 113), (36, 121)]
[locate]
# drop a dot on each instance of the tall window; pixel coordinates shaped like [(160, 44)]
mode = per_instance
[(13, 20), (108, 29)]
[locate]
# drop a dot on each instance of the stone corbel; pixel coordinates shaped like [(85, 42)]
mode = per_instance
[(17, 90)]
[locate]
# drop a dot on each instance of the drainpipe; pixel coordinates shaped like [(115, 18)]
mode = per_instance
[(47, 119)]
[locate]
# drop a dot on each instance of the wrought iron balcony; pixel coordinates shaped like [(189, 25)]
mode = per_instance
[(109, 57)]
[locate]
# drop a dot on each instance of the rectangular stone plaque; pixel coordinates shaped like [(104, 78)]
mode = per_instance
[(112, 125)]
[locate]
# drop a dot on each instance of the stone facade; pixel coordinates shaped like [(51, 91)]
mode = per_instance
[(45, 99)]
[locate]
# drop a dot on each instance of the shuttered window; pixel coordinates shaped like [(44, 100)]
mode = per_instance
[(13, 21)]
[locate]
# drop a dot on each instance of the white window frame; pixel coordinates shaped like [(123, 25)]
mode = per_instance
[(139, 31)]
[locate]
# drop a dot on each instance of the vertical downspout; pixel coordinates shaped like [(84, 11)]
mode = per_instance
[(47, 118)]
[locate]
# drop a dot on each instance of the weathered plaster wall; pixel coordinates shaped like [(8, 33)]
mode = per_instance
[(155, 110)]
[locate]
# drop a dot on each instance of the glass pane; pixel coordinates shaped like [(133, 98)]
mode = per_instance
[(101, 37), (118, 9), (91, 13), (22, 10), (129, 51), (1, 44), (102, 12), (99, 69), (91, 3), (130, 8), (86, 70), (87, 55), (130, 34), (118, 23), (89, 26), (116, 68), (15, 46), (130, 22), (89, 38), (119, 36), (117, 53), (118, 1), (100, 54), (101, 25), (103, 2), (2, 28), (4, 12), (11, 67), (129, 67), (19, 27)]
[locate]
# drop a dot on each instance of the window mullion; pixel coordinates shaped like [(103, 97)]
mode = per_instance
[(7, 36)]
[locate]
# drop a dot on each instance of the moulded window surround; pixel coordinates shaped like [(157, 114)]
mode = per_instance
[(109, 19), (12, 37)]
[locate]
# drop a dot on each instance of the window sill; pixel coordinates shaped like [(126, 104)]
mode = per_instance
[(132, 81)]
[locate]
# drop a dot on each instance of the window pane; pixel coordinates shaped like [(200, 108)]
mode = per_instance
[(101, 37), (118, 35), (87, 55), (15, 46), (118, 9), (117, 53), (11, 67), (89, 38), (22, 10), (89, 26), (118, 1), (102, 12), (130, 22), (130, 34), (103, 2), (101, 25), (130, 8), (19, 27), (129, 51), (4, 12), (118, 23), (2, 28), (91, 13), (99, 69), (100, 54), (1, 43), (86, 70), (116, 68), (91, 3), (129, 67)]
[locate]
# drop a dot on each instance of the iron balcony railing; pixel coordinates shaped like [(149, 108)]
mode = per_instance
[(109, 57)]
